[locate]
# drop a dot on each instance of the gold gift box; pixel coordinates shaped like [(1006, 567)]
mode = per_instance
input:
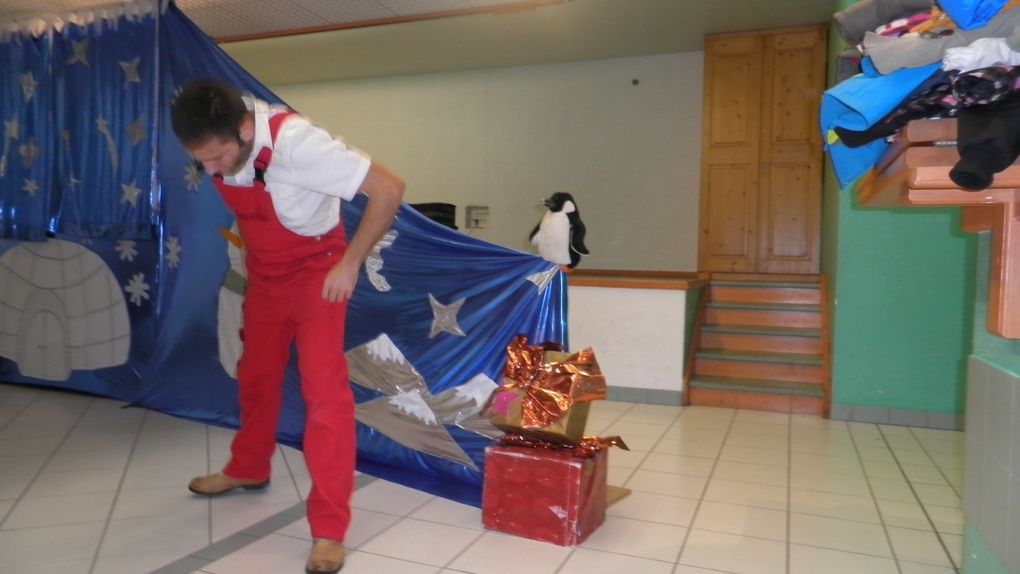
[(509, 412)]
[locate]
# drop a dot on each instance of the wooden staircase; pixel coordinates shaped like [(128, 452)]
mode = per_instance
[(761, 345)]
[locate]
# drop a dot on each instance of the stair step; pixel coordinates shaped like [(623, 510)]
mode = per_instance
[(758, 386), (758, 357), (765, 331), (712, 367), (764, 293), (769, 316), (782, 284), (764, 307)]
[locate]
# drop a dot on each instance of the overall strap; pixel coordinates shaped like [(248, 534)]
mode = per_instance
[(265, 154)]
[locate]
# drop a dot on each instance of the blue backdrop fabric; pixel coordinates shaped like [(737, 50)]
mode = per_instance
[(860, 102), (427, 329)]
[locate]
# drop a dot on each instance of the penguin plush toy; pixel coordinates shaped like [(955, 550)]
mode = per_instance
[(560, 235)]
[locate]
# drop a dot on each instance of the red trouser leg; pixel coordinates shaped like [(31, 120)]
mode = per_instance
[(268, 332), (329, 440)]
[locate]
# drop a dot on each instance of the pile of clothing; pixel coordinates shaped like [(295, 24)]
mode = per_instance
[(923, 59)]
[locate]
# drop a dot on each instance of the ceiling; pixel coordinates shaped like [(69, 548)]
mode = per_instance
[(301, 41)]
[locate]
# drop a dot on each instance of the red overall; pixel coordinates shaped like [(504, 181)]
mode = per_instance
[(283, 301)]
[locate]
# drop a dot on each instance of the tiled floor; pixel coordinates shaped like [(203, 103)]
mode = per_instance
[(87, 487)]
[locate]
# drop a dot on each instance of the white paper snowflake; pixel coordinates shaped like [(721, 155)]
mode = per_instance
[(137, 288), (173, 252), (192, 177), (126, 249)]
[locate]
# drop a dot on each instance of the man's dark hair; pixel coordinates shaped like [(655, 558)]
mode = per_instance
[(207, 109)]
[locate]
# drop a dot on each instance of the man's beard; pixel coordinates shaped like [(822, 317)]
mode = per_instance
[(242, 158)]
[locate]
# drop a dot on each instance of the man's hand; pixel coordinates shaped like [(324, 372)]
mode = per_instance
[(340, 281)]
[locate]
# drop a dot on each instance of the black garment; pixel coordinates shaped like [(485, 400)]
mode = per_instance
[(988, 139)]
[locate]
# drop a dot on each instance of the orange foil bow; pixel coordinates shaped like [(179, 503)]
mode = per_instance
[(550, 388)]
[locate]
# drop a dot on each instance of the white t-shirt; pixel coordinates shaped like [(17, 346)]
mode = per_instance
[(309, 174)]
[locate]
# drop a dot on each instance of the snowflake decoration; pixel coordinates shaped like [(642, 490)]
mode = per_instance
[(126, 249), (137, 288), (173, 252), (192, 177)]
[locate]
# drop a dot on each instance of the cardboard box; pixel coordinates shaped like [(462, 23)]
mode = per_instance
[(548, 495)]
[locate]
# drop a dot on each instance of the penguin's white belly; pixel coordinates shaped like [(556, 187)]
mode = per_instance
[(553, 238)]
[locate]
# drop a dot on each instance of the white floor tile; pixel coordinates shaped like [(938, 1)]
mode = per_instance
[(78, 482), (742, 520), (169, 475), (915, 568), (754, 455), (23, 464), (748, 472), (838, 534), (935, 495), (903, 514), (692, 465), (826, 481), (655, 508), (747, 494), (733, 553), (35, 546), (637, 538), (748, 439), (365, 525), (180, 534), (449, 512), (918, 546), (629, 429), (740, 525), (135, 563), (230, 516), (834, 505), (584, 561), (12, 486), (496, 553), (667, 483), (74, 461), (270, 555), (55, 510), (389, 498), (160, 502), (422, 542), (626, 458), (947, 520), (688, 447), (892, 489), (365, 563), (809, 560)]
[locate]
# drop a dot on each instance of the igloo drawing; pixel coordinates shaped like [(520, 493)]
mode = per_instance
[(62, 310)]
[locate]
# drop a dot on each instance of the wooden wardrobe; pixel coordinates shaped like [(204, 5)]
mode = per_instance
[(761, 170)]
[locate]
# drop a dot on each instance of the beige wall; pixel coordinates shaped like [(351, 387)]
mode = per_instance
[(508, 137)]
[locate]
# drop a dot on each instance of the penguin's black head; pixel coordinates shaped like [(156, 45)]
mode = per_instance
[(556, 201)]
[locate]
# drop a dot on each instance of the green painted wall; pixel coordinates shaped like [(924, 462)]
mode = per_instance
[(978, 558), (901, 287), (904, 313)]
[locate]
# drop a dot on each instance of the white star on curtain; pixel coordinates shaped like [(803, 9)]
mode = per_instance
[(81, 52), (30, 187), (445, 317), (28, 85), (131, 193), (131, 72), (136, 131)]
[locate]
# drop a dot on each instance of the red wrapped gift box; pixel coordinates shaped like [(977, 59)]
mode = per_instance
[(549, 495)]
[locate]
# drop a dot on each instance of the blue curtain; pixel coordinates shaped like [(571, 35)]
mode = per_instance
[(26, 159), (427, 328)]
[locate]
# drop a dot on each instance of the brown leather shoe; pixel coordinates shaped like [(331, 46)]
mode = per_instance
[(219, 483), (327, 557)]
